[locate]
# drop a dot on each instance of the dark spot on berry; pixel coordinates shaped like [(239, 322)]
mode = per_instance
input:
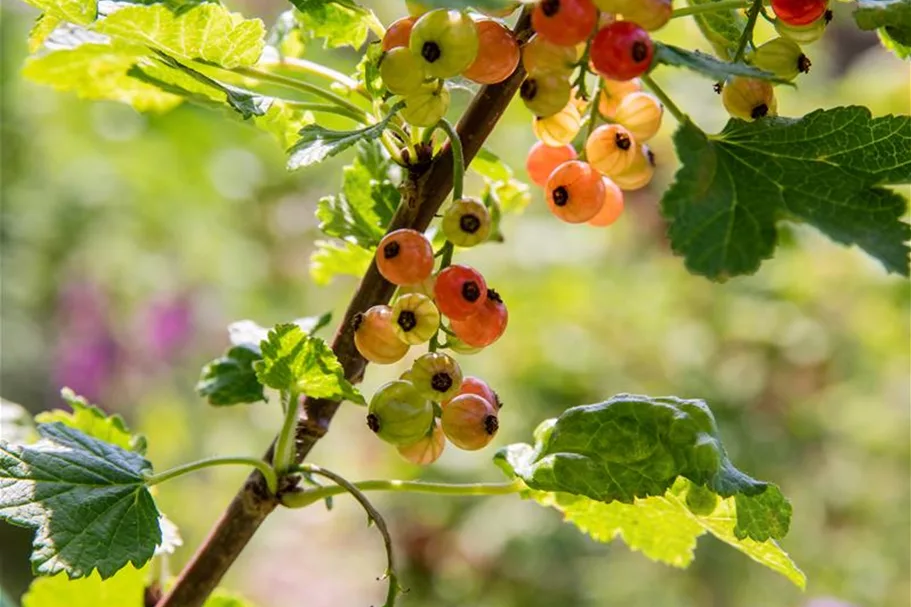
[(759, 111), (441, 381), (804, 64), (717, 87), (357, 321), (828, 16), (550, 7), (491, 424), (392, 250), (373, 422), (639, 52), (469, 223), (651, 157), (471, 291), (623, 141), (529, 89), (431, 51), (560, 196), (407, 320), (494, 296)]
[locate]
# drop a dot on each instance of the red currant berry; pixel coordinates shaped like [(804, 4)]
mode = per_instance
[(404, 257), (398, 414), (543, 159), (428, 449), (436, 376), (486, 326), (622, 51), (375, 336), (575, 192), (799, 12), (470, 422), (498, 54), (564, 22), (399, 33), (612, 207), (460, 292), (478, 387)]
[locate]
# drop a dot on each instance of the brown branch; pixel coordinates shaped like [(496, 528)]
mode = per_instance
[(425, 189)]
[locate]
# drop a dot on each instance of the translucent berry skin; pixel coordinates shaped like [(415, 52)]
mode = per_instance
[(398, 33), (749, 98), (575, 192), (466, 222), (460, 291), (446, 41), (428, 449), (402, 72), (415, 318), (486, 326), (651, 15), (802, 34), (542, 57), (559, 129), (498, 54), (641, 115), (404, 257), (564, 22), (799, 12), (610, 149), (543, 159), (612, 208), (436, 376), (469, 422), (398, 414), (375, 337), (781, 56), (545, 95), (460, 347), (426, 106), (478, 387), (613, 92), (640, 172), (622, 51)]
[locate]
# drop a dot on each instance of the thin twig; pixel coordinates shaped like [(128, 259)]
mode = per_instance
[(747, 34)]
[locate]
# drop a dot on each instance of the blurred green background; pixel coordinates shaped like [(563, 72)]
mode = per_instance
[(130, 241)]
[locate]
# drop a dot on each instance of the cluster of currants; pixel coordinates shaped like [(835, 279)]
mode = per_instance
[(432, 401)]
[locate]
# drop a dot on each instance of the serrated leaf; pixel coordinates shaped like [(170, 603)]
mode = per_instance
[(331, 259), (707, 65), (826, 169), (368, 70), (230, 379), (722, 28), (44, 25), (318, 143), (16, 424), (79, 12), (635, 446), (337, 23), (892, 15), (250, 334), (91, 420), (295, 361), (85, 498)]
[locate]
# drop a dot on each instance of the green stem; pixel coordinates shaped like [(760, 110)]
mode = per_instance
[(312, 68), (325, 108), (266, 470), (747, 34), (593, 114), (300, 85), (710, 7), (664, 98), (309, 496), (283, 457), (458, 158), (446, 257)]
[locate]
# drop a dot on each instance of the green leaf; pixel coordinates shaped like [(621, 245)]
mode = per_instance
[(707, 65), (330, 260), (510, 194), (249, 334), (368, 70), (295, 361), (44, 25), (86, 499), (337, 22), (892, 15), (721, 28), (230, 379), (825, 169), (318, 143), (901, 51), (79, 12), (637, 446), (91, 420), (16, 424)]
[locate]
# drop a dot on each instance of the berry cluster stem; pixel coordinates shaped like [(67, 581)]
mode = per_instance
[(665, 98), (458, 158), (747, 34)]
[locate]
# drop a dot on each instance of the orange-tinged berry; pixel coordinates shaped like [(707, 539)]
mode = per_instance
[(575, 192), (404, 257), (612, 207), (610, 149), (375, 337)]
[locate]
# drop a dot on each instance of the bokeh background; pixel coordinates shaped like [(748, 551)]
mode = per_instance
[(130, 241)]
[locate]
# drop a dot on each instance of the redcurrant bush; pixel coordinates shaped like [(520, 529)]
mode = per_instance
[(415, 318), (498, 54), (470, 422), (460, 291), (446, 41), (622, 51), (398, 414), (575, 192), (436, 376), (404, 257), (564, 22), (485, 326), (375, 336), (428, 449), (543, 159), (466, 222)]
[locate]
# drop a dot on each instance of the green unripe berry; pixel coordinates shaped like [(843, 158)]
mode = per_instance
[(426, 106), (782, 57), (446, 41), (701, 500), (546, 94), (436, 376), (398, 414), (401, 71), (466, 222)]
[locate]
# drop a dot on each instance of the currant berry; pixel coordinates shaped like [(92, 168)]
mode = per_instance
[(375, 337), (799, 12), (446, 41), (398, 33), (478, 387), (542, 57), (559, 129), (640, 114), (615, 91), (398, 414), (404, 257), (425, 287), (428, 449), (612, 207), (614, 6), (436, 376), (486, 326), (610, 149), (622, 51), (749, 98), (651, 15), (564, 22), (803, 34), (457, 345), (782, 57), (415, 318), (460, 291), (575, 192), (415, 8), (402, 72), (545, 95), (701, 500), (543, 159), (466, 222), (498, 54), (640, 172), (426, 106), (469, 422)]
